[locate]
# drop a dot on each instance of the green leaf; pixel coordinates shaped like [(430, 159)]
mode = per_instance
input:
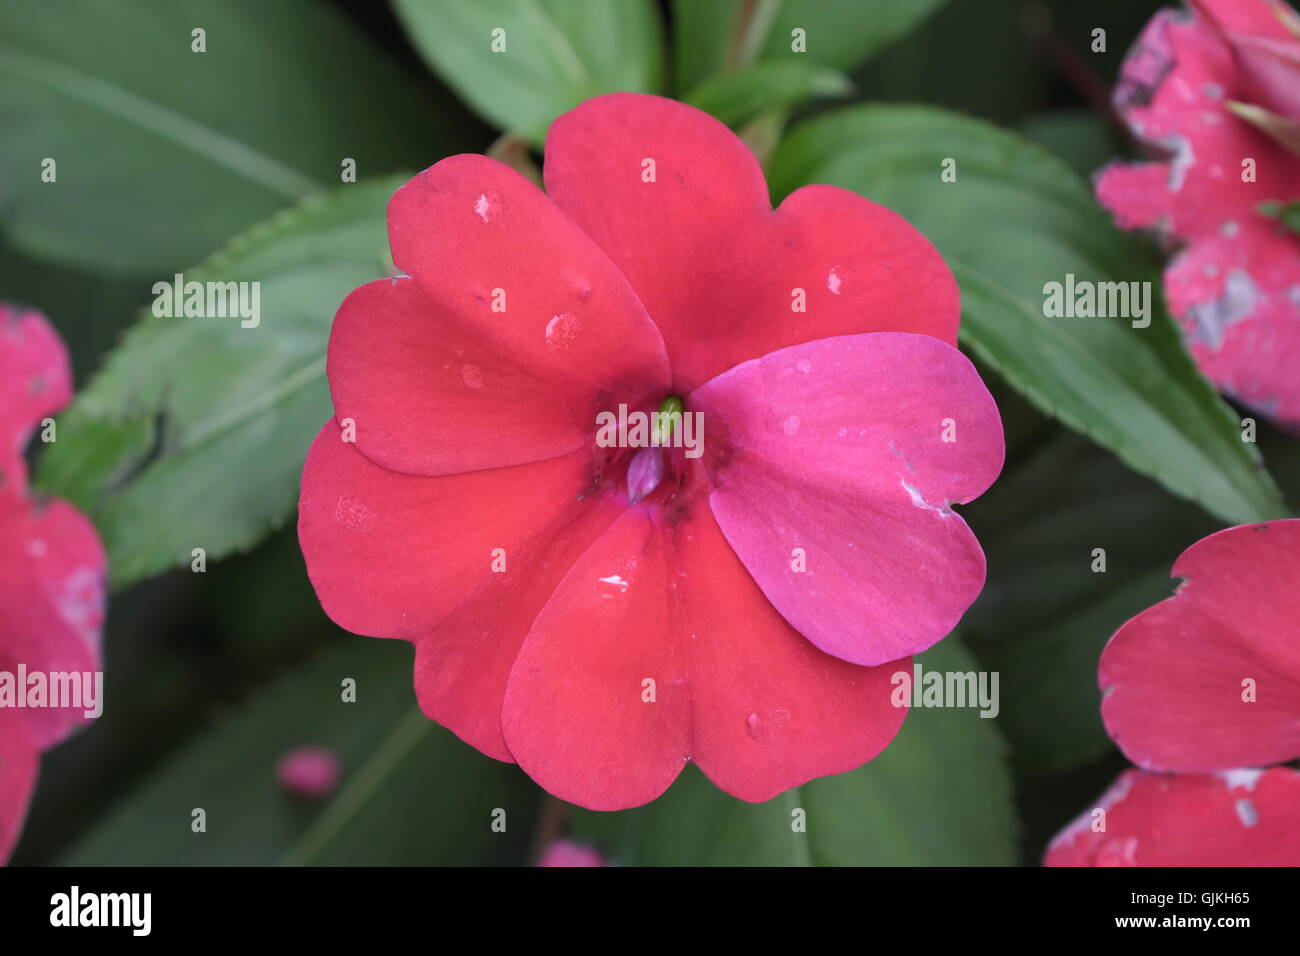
[(735, 97), (1080, 138), (1288, 213), (1015, 219), (556, 53), (1050, 604), (939, 795), (194, 433), (841, 34), (410, 794), (163, 153)]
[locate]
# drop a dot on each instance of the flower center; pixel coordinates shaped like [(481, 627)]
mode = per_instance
[(668, 420), (648, 466)]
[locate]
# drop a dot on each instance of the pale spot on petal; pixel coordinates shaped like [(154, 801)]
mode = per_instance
[(561, 330), (615, 583), (1246, 812), (920, 502), (1245, 777)]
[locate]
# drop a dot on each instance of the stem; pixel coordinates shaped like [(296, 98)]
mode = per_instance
[(552, 824), (512, 149), (749, 31), (359, 789), (1037, 22)]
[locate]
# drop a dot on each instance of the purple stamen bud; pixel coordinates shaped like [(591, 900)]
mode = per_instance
[(644, 473)]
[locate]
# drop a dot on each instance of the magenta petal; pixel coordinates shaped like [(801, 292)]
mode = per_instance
[(834, 475)]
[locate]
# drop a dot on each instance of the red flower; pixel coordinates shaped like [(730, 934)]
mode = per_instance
[(1206, 681), (734, 608), (1246, 817), (1206, 89), (51, 568), (1209, 679)]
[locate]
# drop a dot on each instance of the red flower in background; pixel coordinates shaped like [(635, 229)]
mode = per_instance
[(1209, 679), (1217, 90), (311, 772), (1157, 819), (1203, 683), (51, 565), (733, 609), (570, 854)]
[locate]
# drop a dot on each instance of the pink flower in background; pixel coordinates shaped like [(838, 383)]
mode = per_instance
[(310, 772), (1239, 818), (1214, 90), (51, 566), (568, 853), (735, 608), (1205, 683)]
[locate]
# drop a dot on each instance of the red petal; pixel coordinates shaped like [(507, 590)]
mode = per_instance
[(51, 601), (412, 557), (1173, 676), (714, 265), (771, 711), (35, 381), (833, 483), (1242, 818), (735, 687), (18, 766), (574, 716), (436, 381)]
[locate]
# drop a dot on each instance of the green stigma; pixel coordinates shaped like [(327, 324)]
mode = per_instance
[(667, 420)]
